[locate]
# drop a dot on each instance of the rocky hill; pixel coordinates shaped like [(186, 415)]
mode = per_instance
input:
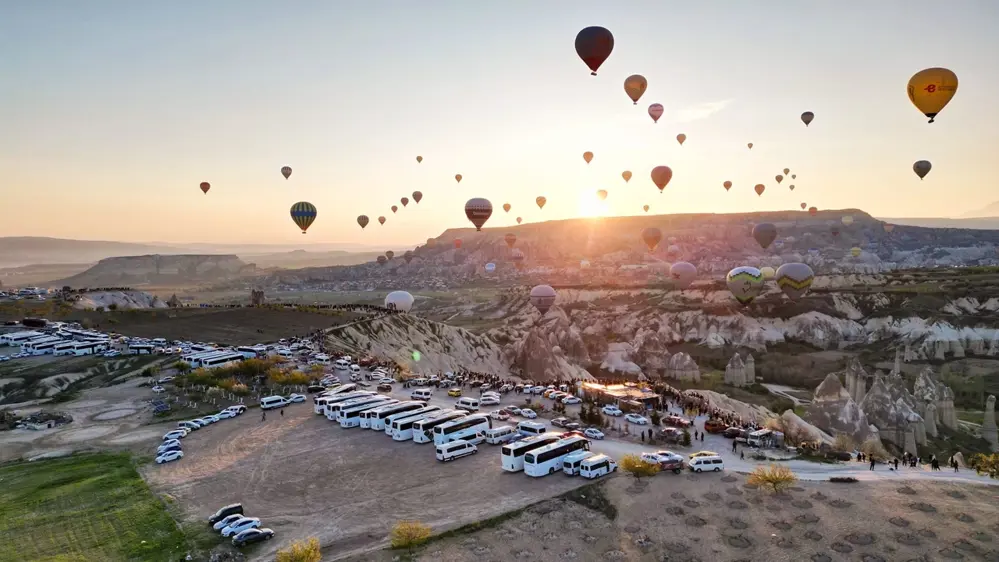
[(159, 269), (120, 300)]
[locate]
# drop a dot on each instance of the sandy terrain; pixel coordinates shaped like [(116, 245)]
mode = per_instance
[(306, 476), (717, 518)]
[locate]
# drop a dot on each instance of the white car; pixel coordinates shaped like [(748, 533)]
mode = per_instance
[(386, 380), (158, 389), (240, 525), (169, 456), (528, 413), (506, 388), (208, 420), (175, 434), (165, 380), (612, 411), (489, 401), (167, 446), (227, 520), (296, 398), (571, 400), (226, 414), (637, 419), (237, 409), (593, 433), (662, 457), (538, 390)]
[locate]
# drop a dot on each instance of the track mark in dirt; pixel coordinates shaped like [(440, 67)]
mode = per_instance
[(956, 495), (924, 507), (733, 491), (782, 525), (908, 539), (738, 524), (695, 521), (728, 479), (982, 537), (819, 496), (737, 505), (861, 539), (820, 557), (807, 518), (675, 510), (813, 536), (841, 547), (739, 541), (802, 504), (905, 490), (691, 504), (711, 496), (965, 518), (899, 522), (841, 504), (951, 554), (871, 558), (928, 533)]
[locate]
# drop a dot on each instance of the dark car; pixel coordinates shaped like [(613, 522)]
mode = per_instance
[(733, 432), (251, 536), (384, 388), (572, 426), (225, 512), (314, 388)]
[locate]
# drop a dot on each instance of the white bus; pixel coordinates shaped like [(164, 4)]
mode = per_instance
[(18, 338), (512, 455), (547, 460), (224, 358), (401, 429), (351, 417), (469, 428), (333, 411), (41, 346), (324, 403), (423, 431), (80, 348), (252, 351), (341, 389), (375, 419)]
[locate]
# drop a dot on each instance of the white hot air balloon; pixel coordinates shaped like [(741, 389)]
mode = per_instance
[(542, 297), (683, 274), (399, 300)]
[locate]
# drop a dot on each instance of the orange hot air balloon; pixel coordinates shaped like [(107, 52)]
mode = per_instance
[(635, 85), (510, 239), (419, 159), (587, 156), (381, 220), (457, 243), (519, 220), (362, 220), (394, 208), (506, 207), (813, 211), (680, 138), (541, 202), (626, 175), (727, 185), (645, 208), (602, 194), (457, 178), (803, 205), (652, 236), (760, 188), (661, 176), (205, 186)]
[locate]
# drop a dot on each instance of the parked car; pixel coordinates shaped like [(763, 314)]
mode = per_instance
[(703, 454), (167, 444), (165, 380), (225, 521), (593, 433), (176, 434), (528, 413), (667, 460), (296, 398), (612, 411), (169, 456), (676, 421), (671, 435), (240, 525), (384, 388), (512, 410), (636, 419), (158, 389), (499, 415), (225, 511), (454, 392), (715, 426), (572, 425), (251, 536), (560, 422), (735, 432), (569, 400), (489, 401), (226, 414), (238, 408)]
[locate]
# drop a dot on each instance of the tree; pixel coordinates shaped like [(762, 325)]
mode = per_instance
[(986, 464), (113, 306), (299, 551), (874, 449), (686, 438), (776, 477), (635, 466), (409, 534), (845, 443), (655, 418)]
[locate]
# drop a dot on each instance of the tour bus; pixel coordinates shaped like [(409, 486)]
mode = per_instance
[(547, 460), (18, 338), (469, 428), (376, 418), (223, 358), (321, 358), (571, 462), (252, 351), (530, 428), (340, 389), (351, 417), (342, 399), (597, 466), (320, 402), (423, 431), (333, 411), (402, 428), (512, 455), (363, 419), (41, 346), (79, 348)]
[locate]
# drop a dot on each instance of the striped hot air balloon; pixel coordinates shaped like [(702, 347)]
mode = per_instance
[(303, 213)]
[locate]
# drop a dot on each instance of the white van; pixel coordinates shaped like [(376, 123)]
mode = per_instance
[(355, 369), (273, 402), (467, 404), (423, 394), (571, 462), (455, 449), (341, 364), (597, 466), (531, 428), (499, 435), (705, 464)]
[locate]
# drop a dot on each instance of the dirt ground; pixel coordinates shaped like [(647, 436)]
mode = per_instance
[(718, 518), (306, 476)]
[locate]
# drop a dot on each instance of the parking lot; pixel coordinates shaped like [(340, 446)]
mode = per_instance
[(306, 476)]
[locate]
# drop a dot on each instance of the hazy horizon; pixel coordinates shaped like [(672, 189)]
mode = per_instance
[(113, 113)]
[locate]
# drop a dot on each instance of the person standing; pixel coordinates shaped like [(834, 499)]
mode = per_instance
[(872, 463)]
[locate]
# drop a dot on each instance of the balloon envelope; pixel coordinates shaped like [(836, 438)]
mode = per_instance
[(417, 196), (645, 208), (519, 220), (889, 227), (362, 220), (768, 272), (655, 112), (394, 208), (680, 138), (542, 297), (787, 171), (286, 172), (381, 220), (930, 90), (506, 207), (794, 279), (727, 185), (635, 85), (847, 220), (813, 211), (541, 202), (760, 188), (806, 118), (652, 236), (602, 194), (683, 274), (626, 175), (490, 267), (399, 300), (750, 145), (745, 283), (457, 178), (303, 214), (381, 260), (404, 201), (765, 233), (855, 251), (510, 239), (419, 159), (390, 254), (922, 167), (587, 156), (803, 205), (779, 178), (661, 176), (478, 210), (205, 186), (457, 243), (593, 45)]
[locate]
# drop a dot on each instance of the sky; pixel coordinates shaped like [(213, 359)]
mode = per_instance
[(112, 113)]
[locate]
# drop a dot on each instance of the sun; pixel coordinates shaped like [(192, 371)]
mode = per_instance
[(590, 206)]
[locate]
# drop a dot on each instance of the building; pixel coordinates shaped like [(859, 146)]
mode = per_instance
[(625, 396)]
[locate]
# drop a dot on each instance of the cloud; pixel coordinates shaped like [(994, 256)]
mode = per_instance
[(701, 110)]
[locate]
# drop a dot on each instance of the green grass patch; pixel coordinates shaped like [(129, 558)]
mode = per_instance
[(82, 508)]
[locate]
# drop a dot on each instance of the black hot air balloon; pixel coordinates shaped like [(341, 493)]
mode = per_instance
[(594, 44)]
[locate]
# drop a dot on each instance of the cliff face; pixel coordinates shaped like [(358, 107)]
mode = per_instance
[(131, 271)]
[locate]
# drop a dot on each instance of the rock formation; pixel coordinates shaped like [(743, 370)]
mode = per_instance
[(750, 369), (256, 297), (856, 380), (945, 409), (174, 302), (682, 367), (834, 411), (928, 390), (893, 417), (735, 371), (618, 359), (930, 419), (989, 432)]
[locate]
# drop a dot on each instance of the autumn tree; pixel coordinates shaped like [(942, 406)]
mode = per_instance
[(409, 534), (635, 466), (986, 464), (844, 442), (776, 477), (301, 551)]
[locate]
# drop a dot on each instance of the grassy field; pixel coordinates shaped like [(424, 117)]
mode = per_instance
[(84, 508)]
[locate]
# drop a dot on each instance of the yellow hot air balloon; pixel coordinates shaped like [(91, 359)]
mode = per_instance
[(855, 251), (419, 159), (768, 272), (635, 85), (930, 90), (847, 220), (680, 138), (602, 194), (626, 175), (645, 208), (587, 156), (457, 178)]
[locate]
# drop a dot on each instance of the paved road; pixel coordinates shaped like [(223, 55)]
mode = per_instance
[(805, 470)]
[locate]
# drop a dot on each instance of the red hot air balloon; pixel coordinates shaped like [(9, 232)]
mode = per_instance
[(803, 205), (727, 185), (506, 207), (404, 201), (478, 210), (205, 186), (381, 220), (661, 176), (519, 220), (417, 196), (394, 208), (760, 188), (593, 45)]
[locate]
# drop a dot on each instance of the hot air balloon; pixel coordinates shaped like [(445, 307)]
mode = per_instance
[(727, 185), (661, 176), (408, 256), (602, 194), (417, 195), (457, 178), (791, 187), (922, 167), (794, 176), (518, 258), (635, 85), (745, 283), (381, 260), (490, 267), (760, 188), (794, 279), (855, 251), (519, 220), (506, 207), (768, 272), (803, 205), (303, 213), (419, 159), (889, 227), (683, 274), (787, 171), (765, 233), (286, 172), (813, 211), (626, 175), (457, 243), (680, 138), (394, 208), (390, 254), (541, 201), (930, 90), (399, 300), (807, 117), (587, 156), (593, 45), (381, 220), (542, 297), (510, 239), (478, 211), (847, 220), (655, 112), (362, 220), (645, 208), (779, 178), (205, 186), (750, 145), (404, 201), (834, 231), (652, 236)]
